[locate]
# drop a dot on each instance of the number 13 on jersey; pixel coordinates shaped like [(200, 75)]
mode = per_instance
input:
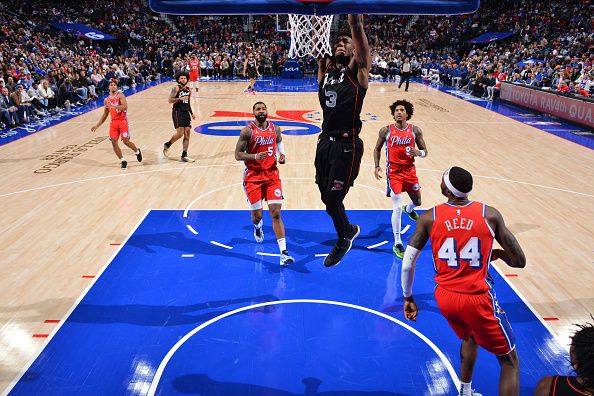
[(471, 253)]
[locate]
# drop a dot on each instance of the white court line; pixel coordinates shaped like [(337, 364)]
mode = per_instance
[(377, 245), (187, 255), (322, 254), (525, 301), (269, 254), (192, 230), (192, 167), (403, 231), (171, 352), (65, 317), (221, 245)]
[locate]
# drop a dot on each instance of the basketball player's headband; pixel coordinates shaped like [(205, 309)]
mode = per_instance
[(449, 185)]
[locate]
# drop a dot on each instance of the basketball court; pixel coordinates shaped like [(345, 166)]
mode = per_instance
[(148, 281)]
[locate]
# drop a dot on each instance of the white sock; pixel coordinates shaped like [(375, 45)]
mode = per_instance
[(137, 151), (122, 159), (396, 215), (465, 388), (410, 207), (259, 225), (282, 244)]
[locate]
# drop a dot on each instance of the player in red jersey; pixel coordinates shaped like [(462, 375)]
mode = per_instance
[(462, 234), (581, 354), (257, 146), (401, 140), (194, 66), (117, 106)]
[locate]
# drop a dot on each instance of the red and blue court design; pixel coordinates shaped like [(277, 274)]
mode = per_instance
[(213, 313)]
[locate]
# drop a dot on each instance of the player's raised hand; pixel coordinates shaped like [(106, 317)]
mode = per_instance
[(261, 156), (281, 159), (411, 310), (378, 172)]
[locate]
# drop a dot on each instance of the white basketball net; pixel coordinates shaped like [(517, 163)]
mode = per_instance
[(310, 35)]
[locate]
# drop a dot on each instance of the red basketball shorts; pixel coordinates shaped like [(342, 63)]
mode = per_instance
[(402, 179), (263, 185), (119, 129), (194, 76), (477, 315)]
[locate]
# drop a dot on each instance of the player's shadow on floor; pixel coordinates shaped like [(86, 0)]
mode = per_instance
[(165, 315), (202, 384), (180, 242)]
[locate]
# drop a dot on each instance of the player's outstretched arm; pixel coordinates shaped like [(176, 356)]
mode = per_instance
[(377, 151), (512, 254), (415, 244), (362, 52), (280, 146), (103, 117)]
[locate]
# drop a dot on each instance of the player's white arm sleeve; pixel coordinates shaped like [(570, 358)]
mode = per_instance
[(280, 148), (409, 261)]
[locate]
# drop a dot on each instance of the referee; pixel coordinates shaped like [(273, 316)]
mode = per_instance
[(342, 84), (405, 71), (181, 113)]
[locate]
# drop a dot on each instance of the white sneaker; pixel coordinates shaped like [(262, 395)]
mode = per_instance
[(259, 235), (285, 259)]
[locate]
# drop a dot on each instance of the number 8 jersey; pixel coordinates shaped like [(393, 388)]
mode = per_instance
[(461, 243)]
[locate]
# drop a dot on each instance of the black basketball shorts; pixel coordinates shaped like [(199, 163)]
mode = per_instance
[(181, 119), (337, 162)]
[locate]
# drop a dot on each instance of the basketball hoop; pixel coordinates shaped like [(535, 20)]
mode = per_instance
[(310, 35)]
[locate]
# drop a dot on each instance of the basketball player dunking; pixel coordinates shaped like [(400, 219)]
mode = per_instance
[(181, 113), (257, 146), (462, 233), (343, 80), (400, 139), (194, 72), (250, 70), (117, 106)]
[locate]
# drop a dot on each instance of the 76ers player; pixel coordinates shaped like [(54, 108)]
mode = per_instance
[(117, 106), (400, 139), (462, 234), (257, 146), (194, 66)]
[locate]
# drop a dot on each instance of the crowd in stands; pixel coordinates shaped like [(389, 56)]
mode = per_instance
[(44, 70)]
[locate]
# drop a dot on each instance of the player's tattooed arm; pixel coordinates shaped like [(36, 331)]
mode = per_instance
[(512, 254), (420, 141), (174, 91), (241, 153), (377, 152)]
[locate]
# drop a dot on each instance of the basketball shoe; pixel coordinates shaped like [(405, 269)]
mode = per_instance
[(413, 215), (338, 252), (398, 250), (285, 259)]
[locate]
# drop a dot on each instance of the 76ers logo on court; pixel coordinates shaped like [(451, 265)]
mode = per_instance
[(292, 122)]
